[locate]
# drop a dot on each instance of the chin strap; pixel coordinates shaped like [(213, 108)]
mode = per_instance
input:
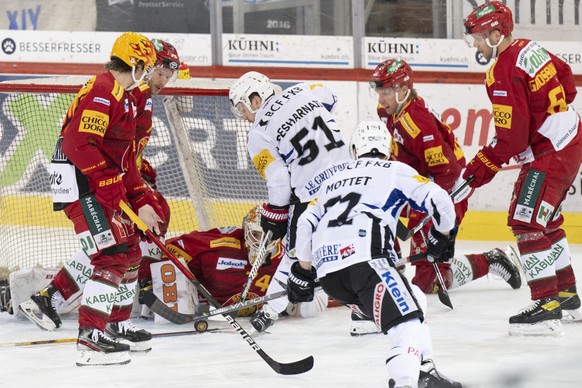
[(494, 47), (401, 103)]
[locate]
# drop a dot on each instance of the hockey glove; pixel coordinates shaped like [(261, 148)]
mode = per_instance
[(274, 218), (483, 167), (148, 173), (109, 188), (301, 284), (436, 243), (149, 211), (449, 251)]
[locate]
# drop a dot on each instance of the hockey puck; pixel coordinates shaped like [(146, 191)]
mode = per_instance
[(201, 325)]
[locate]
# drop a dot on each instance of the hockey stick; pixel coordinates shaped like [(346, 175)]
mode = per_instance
[(160, 308), (261, 256), (442, 293), (74, 340), (292, 368), (426, 219)]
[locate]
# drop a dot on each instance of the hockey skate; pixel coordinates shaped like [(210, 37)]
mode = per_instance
[(98, 349), (570, 304), (542, 317), (431, 378), (137, 339), (505, 265), (43, 303), (362, 325)]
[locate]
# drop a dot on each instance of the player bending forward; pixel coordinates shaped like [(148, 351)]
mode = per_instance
[(294, 143), (346, 238)]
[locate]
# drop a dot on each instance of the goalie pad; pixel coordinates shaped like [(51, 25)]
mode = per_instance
[(173, 288), (25, 282)]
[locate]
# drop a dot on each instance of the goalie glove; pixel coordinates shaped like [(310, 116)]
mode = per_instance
[(274, 218), (483, 167), (436, 244), (301, 284)]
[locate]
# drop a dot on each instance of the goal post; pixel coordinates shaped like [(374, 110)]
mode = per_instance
[(197, 148)]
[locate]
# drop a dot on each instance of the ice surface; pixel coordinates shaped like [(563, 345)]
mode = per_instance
[(471, 345)]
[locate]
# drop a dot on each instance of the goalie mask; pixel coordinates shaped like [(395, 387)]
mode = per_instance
[(250, 83), (370, 137), (253, 235)]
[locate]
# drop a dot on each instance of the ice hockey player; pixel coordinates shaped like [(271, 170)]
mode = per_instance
[(346, 238), (294, 143), (423, 141), (94, 161), (531, 91), (64, 292)]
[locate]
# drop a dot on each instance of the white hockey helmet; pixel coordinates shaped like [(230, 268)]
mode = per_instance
[(370, 137), (250, 83), (253, 234)]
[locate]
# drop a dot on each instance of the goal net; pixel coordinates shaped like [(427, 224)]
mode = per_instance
[(197, 148)]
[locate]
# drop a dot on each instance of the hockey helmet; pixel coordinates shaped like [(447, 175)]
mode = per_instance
[(392, 73), (250, 83), (370, 137), (166, 55), (254, 234), (132, 48), (490, 16)]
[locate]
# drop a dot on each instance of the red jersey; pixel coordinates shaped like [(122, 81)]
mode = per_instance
[(143, 120), (421, 140), (218, 259), (530, 90), (98, 132)]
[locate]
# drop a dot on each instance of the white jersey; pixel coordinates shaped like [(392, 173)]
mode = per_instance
[(355, 214), (292, 142)]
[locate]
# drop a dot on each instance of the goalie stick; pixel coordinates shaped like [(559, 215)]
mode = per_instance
[(160, 308), (292, 368), (74, 340)]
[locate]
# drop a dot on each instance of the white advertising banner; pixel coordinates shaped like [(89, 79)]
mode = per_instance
[(90, 47), (287, 51)]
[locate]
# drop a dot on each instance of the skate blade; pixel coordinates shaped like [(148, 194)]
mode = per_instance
[(93, 358), (572, 316), (137, 347), (552, 328), (28, 308)]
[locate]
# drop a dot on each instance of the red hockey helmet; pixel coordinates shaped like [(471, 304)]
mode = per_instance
[(488, 17), (167, 55), (391, 73)]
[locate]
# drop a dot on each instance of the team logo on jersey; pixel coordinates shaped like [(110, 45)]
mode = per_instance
[(545, 212), (262, 160), (94, 122), (230, 242), (226, 263), (346, 252), (325, 254), (502, 115), (434, 156), (247, 311)]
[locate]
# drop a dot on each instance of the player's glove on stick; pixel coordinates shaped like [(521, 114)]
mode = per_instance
[(483, 167), (274, 218), (138, 202), (449, 251), (301, 284), (109, 188), (436, 243)]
